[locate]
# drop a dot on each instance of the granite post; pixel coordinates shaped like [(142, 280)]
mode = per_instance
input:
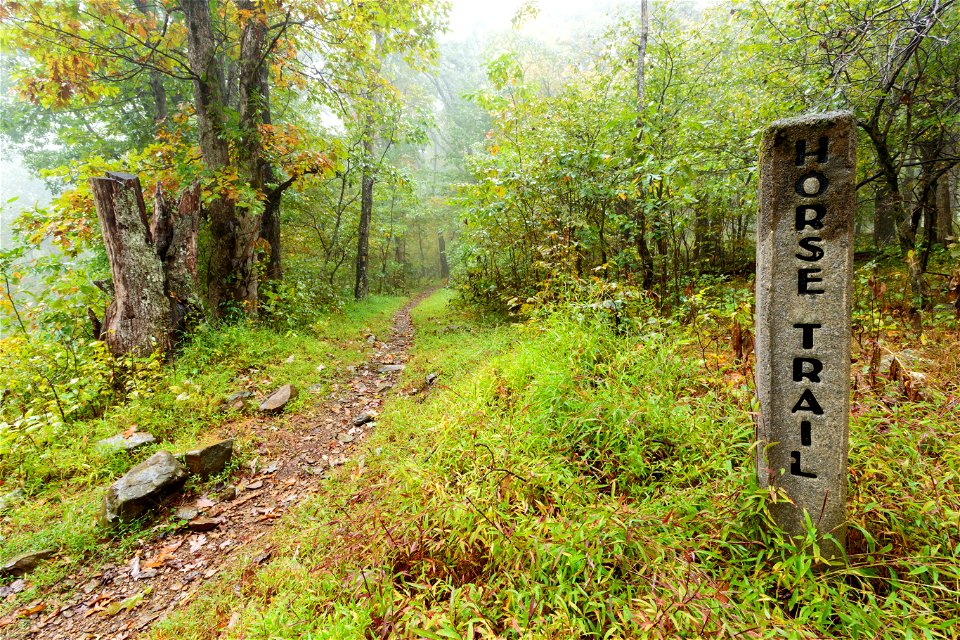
[(804, 291)]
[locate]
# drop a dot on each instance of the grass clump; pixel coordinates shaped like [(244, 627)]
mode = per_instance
[(561, 480)]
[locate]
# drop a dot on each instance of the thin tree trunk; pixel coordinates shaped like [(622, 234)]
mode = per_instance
[(361, 285), (270, 223), (444, 265)]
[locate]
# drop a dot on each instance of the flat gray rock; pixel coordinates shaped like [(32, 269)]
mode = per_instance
[(24, 563), (279, 398), (391, 368), (210, 460), (127, 443), (141, 488)]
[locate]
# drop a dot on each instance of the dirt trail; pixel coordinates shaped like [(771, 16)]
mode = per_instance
[(121, 601)]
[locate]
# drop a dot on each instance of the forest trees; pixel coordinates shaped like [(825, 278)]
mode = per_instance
[(897, 66), (640, 170), (198, 84)]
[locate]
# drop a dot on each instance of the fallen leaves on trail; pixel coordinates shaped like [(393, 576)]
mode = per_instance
[(127, 604), (162, 556), (23, 612), (197, 542), (203, 502)]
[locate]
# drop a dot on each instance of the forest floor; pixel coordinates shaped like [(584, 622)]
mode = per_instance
[(293, 454)]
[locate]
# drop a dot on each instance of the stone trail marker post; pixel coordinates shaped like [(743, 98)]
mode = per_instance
[(804, 291)]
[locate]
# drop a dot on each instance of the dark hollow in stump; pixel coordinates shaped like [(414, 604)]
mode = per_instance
[(153, 264)]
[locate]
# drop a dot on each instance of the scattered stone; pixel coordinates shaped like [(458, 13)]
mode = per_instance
[(239, 399), (210, 460), (201, 525), (364, 417), (276, 400), (24, 563), (11, 498), (141, 488), (186, 513), (228, 493), (130, 442), (318, 470), (391, 368), (253, 485), (345, 438), (16, 586), (431, 378), (371, 339)]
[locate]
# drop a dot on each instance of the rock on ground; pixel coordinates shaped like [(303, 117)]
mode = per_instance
[(276, 400), (210, 460), (24, 563), (141, 488), (127, 443)]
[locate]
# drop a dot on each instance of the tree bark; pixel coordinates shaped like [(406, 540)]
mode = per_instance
[(946, 194), (231, 277), (174, 231), (884, 219), (641, 65), (444, 265), (137, 321), (270, 223), (361, 286)]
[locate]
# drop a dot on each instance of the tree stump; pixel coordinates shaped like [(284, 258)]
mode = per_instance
[(153, 265)]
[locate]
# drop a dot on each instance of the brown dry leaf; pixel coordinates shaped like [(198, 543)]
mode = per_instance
[(197, 542), (203, 502), (162, 556), (21, 613), (130, 431)]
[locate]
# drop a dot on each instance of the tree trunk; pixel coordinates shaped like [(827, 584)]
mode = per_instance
[(270, 224), (946, 193), (444, 265), (153, 265), (174, 232), (232, 277), (361, 286), (137, 321), (641, 65), (884, 219)]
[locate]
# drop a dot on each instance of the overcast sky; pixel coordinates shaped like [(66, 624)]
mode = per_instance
[(557, 19)]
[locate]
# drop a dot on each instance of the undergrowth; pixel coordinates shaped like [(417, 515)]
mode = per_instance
[(566, 480), (59, 474)]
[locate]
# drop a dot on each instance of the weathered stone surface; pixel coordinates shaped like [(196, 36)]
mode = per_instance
[(24, 563), (141, 488), (390, 368), (276, 400), (127, 443), (431, 378), (364, 417), (210, 460), (201, 525), (804, 275), (187, 513)]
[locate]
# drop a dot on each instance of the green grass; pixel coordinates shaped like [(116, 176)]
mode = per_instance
[(182, 405), (561, 481)]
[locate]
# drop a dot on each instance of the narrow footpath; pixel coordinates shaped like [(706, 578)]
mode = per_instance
[(294, 453)]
